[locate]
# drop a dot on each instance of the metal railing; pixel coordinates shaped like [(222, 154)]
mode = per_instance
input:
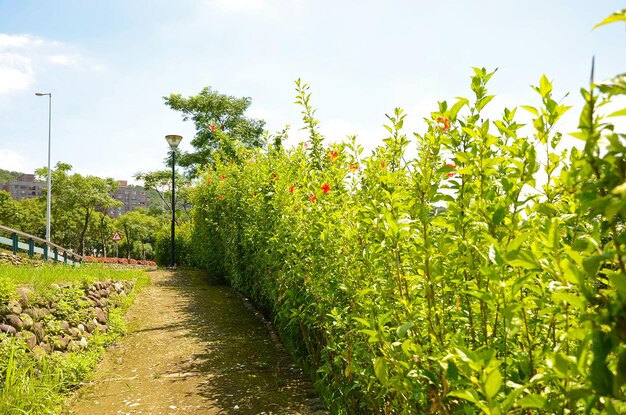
[(22, 241)]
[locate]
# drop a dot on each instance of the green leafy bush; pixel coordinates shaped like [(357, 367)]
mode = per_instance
[(485, 275)]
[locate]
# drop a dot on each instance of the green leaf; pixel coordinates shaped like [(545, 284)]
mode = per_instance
[(620, 113), (457, 107), (494, 255), (545, 86), (619, 16), (362, 321), (493, 383), (401, 330), (532, 401), (532, 110), (522, 259), (467, 394), (380, 369)]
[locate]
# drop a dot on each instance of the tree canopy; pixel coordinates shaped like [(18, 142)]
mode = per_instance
[(220, 122)]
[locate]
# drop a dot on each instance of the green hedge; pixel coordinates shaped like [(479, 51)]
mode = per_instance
[(484, 275)]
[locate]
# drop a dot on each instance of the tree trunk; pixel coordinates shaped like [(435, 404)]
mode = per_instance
[(81, 247)]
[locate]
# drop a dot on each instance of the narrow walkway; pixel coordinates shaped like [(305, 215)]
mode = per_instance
[(194, 348)]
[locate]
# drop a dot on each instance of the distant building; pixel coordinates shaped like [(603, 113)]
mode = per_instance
[(132, 197), (25, 188)]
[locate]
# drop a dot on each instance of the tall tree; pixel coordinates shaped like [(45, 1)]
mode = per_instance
[(220, 123), (85, 194), (160, 182), (137, 225)]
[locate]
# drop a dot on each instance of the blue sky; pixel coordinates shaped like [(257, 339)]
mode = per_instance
[(109, 63)]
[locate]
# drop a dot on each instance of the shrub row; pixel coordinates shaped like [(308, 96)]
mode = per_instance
[(123, 261), (485, 275)]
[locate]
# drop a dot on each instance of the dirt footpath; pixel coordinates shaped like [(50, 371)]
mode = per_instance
[(194, 348)]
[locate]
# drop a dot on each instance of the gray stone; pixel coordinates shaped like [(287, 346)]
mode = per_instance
[(65, 326), (29, 338), (39, 351), (39, 331), (5, 328), (100, 315), (14, 321), (83, 342), (25, 294), (102, 328), (14, 307), (74, 332), (73, 346)]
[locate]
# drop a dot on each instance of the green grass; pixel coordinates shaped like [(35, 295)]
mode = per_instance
[(29, 385), (41, 277)]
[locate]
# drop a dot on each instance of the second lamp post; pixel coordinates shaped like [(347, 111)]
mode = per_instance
[(173, 141)]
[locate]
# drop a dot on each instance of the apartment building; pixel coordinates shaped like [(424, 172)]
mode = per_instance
[(132, 197), (24, 188)]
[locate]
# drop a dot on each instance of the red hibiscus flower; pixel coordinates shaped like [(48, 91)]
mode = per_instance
[(223, 177), (220, 197), (333, 155), (354, 167), (212, 127), (312, 197), (292, 188), (383, 165), (274, 176), (325, 188), (452, 173)]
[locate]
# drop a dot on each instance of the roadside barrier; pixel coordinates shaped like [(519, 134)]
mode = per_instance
[(33, 245)]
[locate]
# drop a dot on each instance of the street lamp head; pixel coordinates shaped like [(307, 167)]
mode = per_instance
[(41, 94), (173, 140)]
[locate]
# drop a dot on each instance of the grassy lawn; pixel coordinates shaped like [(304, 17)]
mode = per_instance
[(40, 384)]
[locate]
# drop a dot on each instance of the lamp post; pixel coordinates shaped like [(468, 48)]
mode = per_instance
[(49, 94), (173, 141)]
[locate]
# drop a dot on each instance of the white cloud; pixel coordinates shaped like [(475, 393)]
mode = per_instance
[(266, 8), (22, 56), (62, 60), (10, 160)]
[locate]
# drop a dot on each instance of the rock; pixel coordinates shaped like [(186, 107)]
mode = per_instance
[(104, 293), (4, 310), (83, 343), (14, 321), (14, 307), (39, 331), (81, 327), (90, 327), (73, 346), (104, 302), (5, 328), (100, 315), (118, 287), (65, 326), (38, 351), (75, 333), (27, 320), (55, 287), (37, 313), (102, 328), (46, 347), (60, 343), (29, 338), (25, 294)]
